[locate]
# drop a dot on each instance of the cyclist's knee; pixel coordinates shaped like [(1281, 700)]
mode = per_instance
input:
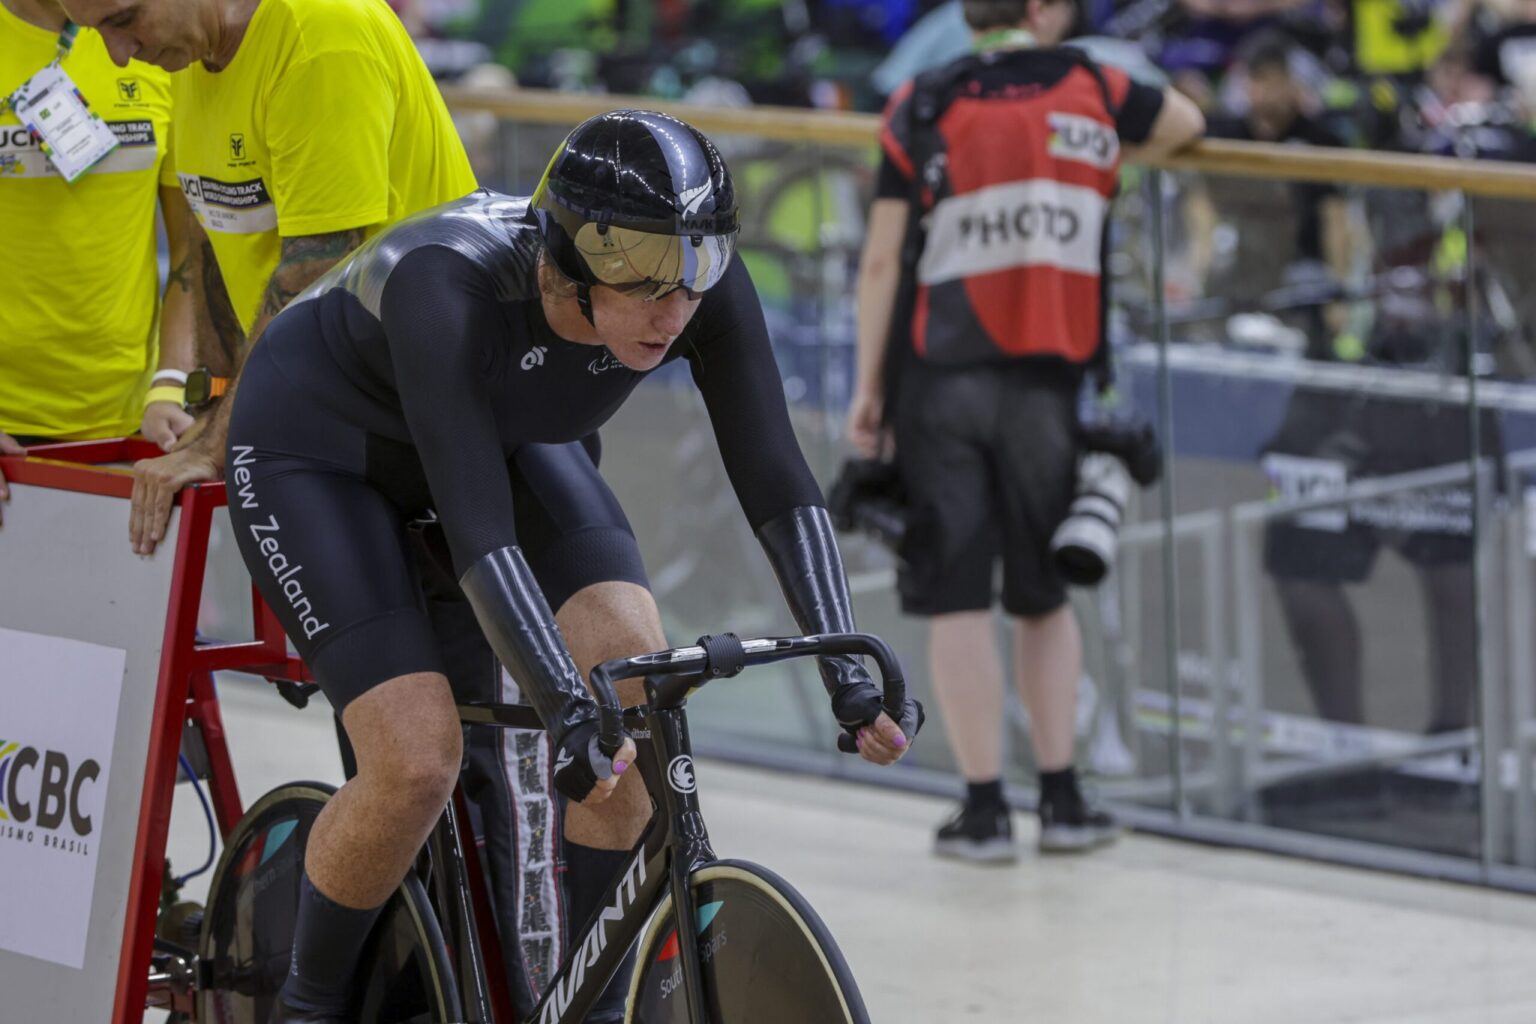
[(408, 738), (424, 780)]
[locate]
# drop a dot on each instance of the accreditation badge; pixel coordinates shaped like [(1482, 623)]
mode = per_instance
[(73, 136)]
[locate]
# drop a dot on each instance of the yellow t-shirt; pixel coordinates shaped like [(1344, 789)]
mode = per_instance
[(326, 120), (79, 289), (1381, 50)]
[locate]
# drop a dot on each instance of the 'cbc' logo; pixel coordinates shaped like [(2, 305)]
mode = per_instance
[(680, 774), (51, 792)]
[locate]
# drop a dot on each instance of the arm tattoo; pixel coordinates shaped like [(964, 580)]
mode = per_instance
[(179, 276), (221, 312), (304, 258)]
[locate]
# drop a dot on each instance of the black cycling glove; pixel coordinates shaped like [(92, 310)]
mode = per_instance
[(579, 762), (802, 548), (517, 621)]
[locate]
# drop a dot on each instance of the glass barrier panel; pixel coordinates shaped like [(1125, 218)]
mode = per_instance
[(1323, 447), (1504, 280)]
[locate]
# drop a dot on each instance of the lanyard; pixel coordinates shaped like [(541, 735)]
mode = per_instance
[(1006, 38), (66, 42)]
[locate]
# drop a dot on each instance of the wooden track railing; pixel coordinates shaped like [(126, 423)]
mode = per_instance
[(1214, 156)]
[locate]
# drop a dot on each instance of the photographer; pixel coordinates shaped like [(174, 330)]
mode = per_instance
[(1003, 163)]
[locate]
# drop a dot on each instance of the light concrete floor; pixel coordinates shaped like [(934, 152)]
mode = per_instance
[(1147, 931)]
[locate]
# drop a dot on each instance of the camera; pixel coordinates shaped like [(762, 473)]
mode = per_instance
[(867, 497), (1115, 454)]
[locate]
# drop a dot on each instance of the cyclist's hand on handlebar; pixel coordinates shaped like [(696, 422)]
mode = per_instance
[(883, 742), (8, 446), (583, 772), (155, 483), (867, 729)]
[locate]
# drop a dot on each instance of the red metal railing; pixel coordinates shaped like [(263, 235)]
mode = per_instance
[(184, 690)]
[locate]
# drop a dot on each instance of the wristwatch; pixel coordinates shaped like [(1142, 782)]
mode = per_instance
[(203, 387)]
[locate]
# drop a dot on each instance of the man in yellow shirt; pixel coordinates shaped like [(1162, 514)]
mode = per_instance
[(78, 322), (302, 129)]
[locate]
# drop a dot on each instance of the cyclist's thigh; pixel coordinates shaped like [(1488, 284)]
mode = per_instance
[(327, 551), (571, 527)]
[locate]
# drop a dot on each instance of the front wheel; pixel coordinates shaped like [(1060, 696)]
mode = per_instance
[(403, 975), (765, 956)]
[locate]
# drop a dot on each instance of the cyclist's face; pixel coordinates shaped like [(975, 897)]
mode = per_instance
[(170, 33), (639, 332)]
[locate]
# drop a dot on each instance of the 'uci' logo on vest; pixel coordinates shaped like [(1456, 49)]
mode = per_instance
[(1074, 137)]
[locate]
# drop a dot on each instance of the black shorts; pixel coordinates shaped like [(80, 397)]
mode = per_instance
[(1353, 436), (988, 455), (323, 513)]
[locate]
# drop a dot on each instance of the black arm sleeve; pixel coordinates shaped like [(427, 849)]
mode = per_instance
[(733, 365), (440, 317), (440, 314)]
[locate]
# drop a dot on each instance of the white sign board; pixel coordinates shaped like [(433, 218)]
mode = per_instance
[(81, 625), (58, 713)]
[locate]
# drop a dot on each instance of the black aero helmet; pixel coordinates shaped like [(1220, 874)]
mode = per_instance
[(640, 202)]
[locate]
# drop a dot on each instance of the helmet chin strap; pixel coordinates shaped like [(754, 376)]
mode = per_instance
[(584, 302), (583, 289)]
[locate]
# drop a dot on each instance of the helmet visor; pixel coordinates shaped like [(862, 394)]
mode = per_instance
[(652, 265)]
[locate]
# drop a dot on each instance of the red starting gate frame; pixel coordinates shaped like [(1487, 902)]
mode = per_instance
[(184, 685)]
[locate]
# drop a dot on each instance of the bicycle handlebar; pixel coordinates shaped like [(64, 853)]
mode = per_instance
[(724, 655)]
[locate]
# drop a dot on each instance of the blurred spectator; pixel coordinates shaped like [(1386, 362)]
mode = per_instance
[(1253, 239), (1396, 37), (1213, 31), (1508, 57), (939, 37)]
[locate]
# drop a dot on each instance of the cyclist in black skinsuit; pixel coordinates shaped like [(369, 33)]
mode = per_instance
[(460, 363)]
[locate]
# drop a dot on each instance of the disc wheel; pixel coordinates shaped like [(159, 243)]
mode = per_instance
[(403, 976), (765, 956)]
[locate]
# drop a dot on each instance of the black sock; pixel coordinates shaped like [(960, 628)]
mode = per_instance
[(589, 874), (984, 794), (1060, 785), (327, 940)]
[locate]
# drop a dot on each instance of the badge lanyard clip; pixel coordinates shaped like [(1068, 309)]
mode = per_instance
[(53, 109)]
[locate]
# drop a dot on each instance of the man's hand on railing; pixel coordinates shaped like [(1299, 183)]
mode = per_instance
[(8, 446), (156, 481)]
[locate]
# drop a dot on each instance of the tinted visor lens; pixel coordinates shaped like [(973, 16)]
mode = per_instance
[(652, 265)]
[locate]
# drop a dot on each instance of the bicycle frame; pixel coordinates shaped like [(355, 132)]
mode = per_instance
[(673, 844), (675, 841)]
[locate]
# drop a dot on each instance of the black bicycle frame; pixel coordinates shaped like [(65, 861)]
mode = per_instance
[(675, 842)]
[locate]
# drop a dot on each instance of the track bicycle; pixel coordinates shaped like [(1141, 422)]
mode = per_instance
[(720, 941)]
